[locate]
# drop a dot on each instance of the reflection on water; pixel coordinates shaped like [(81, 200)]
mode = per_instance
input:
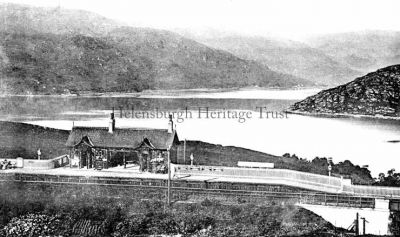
[(240, 94), (363, 141)]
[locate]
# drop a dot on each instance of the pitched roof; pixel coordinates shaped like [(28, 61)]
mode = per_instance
[(121, 137)]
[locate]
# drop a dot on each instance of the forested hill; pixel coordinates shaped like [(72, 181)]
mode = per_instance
[(285, 56), (56, 51)]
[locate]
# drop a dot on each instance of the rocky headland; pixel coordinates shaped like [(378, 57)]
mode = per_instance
[(375, 94)]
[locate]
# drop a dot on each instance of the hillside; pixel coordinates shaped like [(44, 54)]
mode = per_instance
[(284, 56), (18, 19), (364, 51), (212, 154), (53, 51), (376, 93)]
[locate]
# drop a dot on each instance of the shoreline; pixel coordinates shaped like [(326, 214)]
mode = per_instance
[(343, 115), (160, 92)]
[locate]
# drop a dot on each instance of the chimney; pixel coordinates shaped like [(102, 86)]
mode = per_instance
[(170, 124), (111, 124)]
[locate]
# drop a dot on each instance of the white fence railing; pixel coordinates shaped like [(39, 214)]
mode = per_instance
[(374, 191), (289, 177), (278, 176), (40, 164)]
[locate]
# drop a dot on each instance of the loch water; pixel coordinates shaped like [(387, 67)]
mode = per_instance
[(214, 117)]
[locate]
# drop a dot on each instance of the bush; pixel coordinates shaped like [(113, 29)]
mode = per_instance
[(162, 223), (131, 227), (189, 224), (112, 218), (206, 203), (268, 228), (234, 211), (33, 225), (235, 230), (9, 209), (172, 221)]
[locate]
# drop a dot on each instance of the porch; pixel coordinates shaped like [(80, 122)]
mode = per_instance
[(143, 159)]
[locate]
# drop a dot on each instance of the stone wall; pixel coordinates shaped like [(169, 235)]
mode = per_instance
[(63, 188), (60, 187)]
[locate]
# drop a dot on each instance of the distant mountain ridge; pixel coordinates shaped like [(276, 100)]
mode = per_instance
[(44, 50), (377, 93), (363, 51), (281, 55)]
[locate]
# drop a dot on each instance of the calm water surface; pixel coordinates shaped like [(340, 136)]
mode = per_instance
[(362, 141)]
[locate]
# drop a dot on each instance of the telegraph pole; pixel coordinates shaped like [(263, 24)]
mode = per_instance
[(357, 225), (329, 166), (169, 177)]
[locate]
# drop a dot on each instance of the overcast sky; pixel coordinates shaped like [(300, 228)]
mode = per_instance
[(293, 19)]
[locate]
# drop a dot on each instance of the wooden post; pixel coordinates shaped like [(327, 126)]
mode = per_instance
[(148, 160), (363, 219), (337, 200), (71, 155), (124, 161), (357, 227), (150, 168), (140, 161), (80, 159), (184, 152), (108, 158)]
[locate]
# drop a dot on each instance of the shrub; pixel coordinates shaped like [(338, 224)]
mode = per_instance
[(135, 225), (268, 228), (112, 218), (234, 211), (206, 203), (32, 225), (189, 224), (241, 200), (10, 209)]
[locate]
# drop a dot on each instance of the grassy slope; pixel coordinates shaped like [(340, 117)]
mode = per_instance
[(211, 154)]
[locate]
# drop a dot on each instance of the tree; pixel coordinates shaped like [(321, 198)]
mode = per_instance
[(392, 179)]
